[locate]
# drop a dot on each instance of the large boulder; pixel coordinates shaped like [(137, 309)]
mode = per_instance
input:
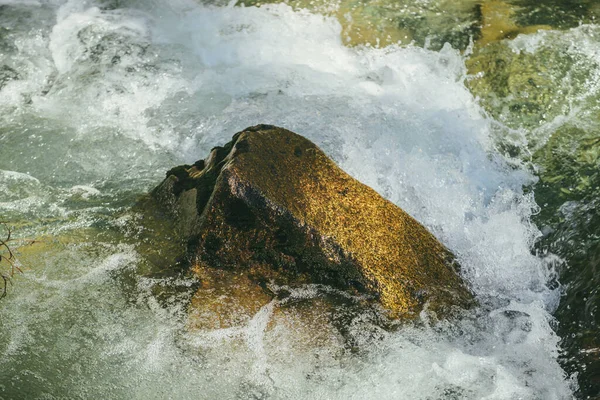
[(271, 209)]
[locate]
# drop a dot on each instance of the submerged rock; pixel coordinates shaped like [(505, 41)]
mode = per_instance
[(498, 22), (433, 23), (7, 74), (384, 22), (270, 209), (530, 81)]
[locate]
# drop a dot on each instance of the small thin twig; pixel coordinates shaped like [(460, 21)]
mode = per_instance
[(9, 259)]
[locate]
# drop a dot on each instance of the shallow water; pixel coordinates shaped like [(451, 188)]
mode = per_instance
[(101, 98)]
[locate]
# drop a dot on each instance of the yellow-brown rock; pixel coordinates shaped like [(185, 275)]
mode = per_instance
[(270, 208), (497, 23)]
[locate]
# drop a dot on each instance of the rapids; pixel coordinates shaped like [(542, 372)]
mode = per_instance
[(99, 98)]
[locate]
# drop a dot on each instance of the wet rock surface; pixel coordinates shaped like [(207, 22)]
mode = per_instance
[(270, 209)]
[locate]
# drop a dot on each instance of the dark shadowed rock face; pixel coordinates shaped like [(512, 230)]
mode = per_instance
[(270, 207)]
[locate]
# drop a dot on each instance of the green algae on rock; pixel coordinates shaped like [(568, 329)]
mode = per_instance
[(270, 207), (568, 169), (516, 86), (537, 85), (498, 22), (561, 14)]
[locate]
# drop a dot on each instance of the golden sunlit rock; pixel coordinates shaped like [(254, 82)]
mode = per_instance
[(497, 23), (270, 208)]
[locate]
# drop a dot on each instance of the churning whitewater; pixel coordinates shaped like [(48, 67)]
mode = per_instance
[(106, 96)]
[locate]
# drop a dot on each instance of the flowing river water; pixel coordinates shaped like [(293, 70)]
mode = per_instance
[(479, 120)]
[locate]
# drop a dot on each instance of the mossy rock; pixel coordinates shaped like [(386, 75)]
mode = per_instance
[(498, 21), (527, 83), (518, 88), (270, 209), (385, 22), (561, 14), (569, 167)]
